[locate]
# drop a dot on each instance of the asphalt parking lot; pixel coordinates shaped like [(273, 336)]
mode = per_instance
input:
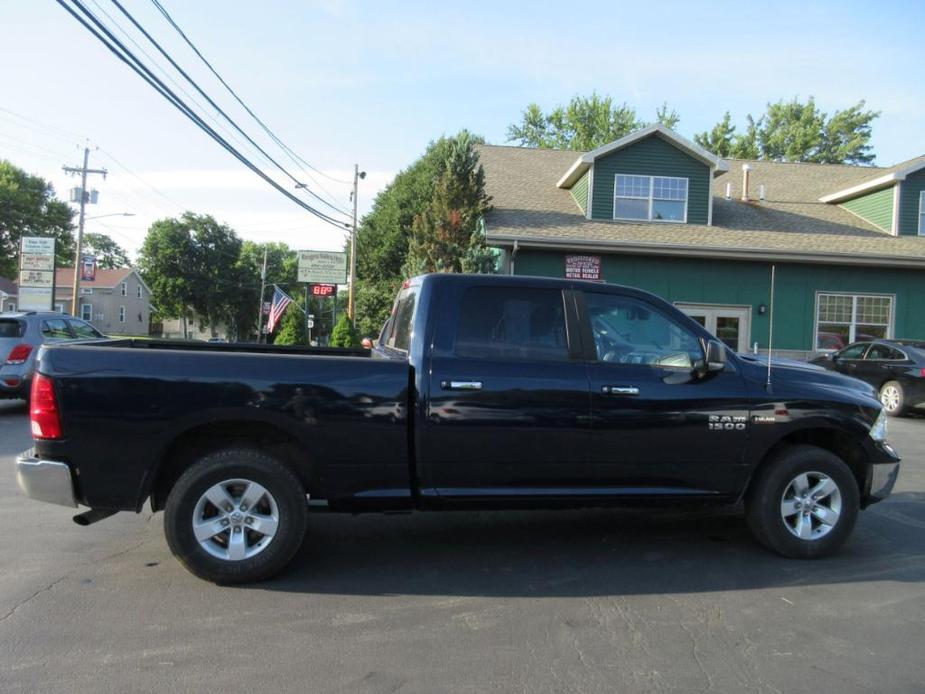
[(587, 601)]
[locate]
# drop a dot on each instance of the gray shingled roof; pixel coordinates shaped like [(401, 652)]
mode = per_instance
[(790, 223)]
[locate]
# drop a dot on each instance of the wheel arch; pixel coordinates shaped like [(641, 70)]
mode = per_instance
[(198, 438), (829, 438)]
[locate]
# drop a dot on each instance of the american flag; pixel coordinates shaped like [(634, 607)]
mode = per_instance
[(281, 301)]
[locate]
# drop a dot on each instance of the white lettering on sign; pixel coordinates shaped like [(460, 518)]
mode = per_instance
[(583, 267), (37, 245), (322, 267)]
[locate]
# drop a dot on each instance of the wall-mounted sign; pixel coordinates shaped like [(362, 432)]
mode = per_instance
[(322, 267), (583, 267), (323, 290), (88, 268), (36, 274)]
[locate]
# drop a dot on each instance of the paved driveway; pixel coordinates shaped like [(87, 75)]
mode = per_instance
[(591, 601)]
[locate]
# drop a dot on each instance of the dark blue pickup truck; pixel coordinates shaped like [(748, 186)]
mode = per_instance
[(483, 392)]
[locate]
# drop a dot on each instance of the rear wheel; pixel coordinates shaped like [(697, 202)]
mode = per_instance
[(803, 503), (893, 398), (236, 516)]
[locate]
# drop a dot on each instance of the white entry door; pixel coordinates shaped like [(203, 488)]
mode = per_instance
[(730, 324)]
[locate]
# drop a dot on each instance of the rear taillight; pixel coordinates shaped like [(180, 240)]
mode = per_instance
[(922, 373), (43, 409), (19, 354)]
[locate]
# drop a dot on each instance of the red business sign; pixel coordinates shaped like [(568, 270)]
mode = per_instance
[(583, 267), (324, 290)]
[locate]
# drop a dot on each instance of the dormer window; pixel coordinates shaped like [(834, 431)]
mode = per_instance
[(650, 198)]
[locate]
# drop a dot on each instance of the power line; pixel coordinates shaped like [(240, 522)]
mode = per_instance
[(118, 49), (292, 155), (299, 184), (230, 134)]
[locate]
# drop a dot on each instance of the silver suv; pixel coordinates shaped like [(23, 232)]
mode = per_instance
[(21, 335)]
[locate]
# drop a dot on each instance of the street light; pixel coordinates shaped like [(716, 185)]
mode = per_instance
[(114, 214), (79, 260)]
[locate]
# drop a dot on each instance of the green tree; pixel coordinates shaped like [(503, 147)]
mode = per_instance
[(28, 207), (797, 131), (585, 123), (191, 263), (344, 334), (292, 329), (109, 254), (383, 235), (720, 139), (446, 235), (281, 269)]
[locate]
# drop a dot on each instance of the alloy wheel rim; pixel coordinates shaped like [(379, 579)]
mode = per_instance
[(889, 396), (235, 519), (811, 506)]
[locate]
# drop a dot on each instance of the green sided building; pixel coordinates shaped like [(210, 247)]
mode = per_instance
[(656, 211)]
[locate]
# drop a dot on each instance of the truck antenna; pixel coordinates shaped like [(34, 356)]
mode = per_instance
[(771, 326)]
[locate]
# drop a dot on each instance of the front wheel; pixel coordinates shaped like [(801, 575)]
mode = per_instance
[(893, 398), (803, 503), (236, 516)]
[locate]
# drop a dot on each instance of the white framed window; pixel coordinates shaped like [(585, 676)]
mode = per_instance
[(11, 307), (86, 312), (138, 291), (122, 314), (59, 308), (650, 198), (845, 318), (922, 213), (124, 288)]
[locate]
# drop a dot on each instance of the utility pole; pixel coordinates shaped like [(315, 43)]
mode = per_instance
[(263, 286), (84, 198), (351, 312)]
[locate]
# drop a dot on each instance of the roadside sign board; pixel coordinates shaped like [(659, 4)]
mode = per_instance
[(322, 267), (36, 274), (583, 267), (36, 278)]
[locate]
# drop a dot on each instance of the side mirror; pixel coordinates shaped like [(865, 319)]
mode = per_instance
[(714, 356), (833, 356)]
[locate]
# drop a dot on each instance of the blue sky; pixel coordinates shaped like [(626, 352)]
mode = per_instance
[(373, 82)]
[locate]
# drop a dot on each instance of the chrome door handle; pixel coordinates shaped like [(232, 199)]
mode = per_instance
[(461, 385), (620, 390)]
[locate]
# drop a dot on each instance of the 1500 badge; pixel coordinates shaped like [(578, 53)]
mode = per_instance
[(726, 422)]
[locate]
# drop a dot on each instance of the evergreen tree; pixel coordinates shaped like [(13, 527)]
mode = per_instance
[(447, 235), (292, 329), (344, 334)]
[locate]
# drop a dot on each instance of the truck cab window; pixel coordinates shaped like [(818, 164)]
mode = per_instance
[(401, 323), (629, 331), (512, 323)]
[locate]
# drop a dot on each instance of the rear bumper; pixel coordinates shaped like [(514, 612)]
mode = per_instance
[(45, 480)]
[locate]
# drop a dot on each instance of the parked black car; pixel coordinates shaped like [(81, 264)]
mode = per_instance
[(484, 392), (896, 368)]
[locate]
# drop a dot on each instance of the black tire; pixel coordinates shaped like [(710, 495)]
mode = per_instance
[(245, 464), (892, 392), (765, 497)]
